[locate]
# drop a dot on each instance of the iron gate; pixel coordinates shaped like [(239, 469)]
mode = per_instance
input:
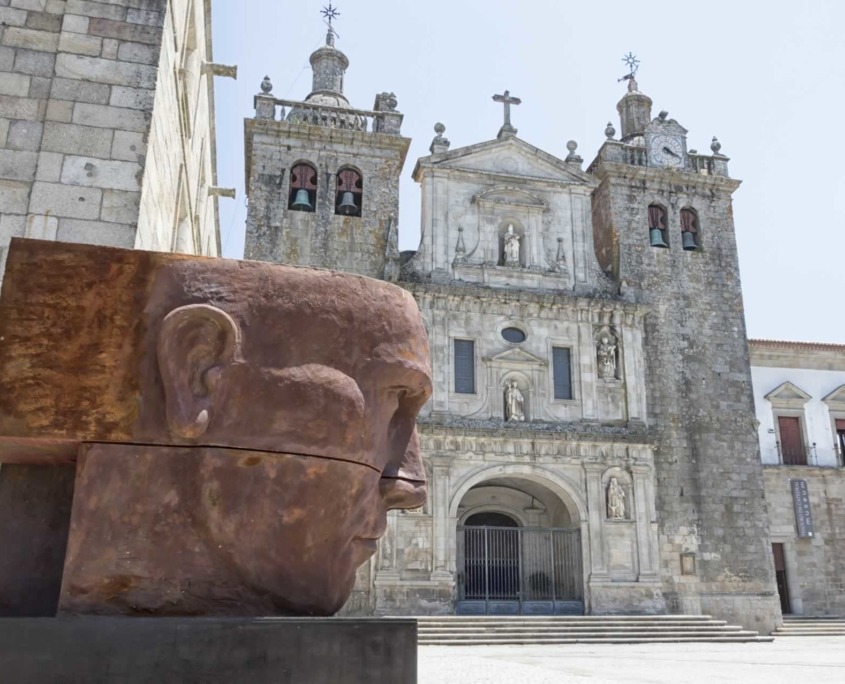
[(512, 571)]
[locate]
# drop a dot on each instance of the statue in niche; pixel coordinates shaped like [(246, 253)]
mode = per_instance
[(511, 247), (615, 500), (607, 356), (208, 458), (514, 403)]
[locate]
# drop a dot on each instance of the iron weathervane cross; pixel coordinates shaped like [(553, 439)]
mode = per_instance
[(330, 13), (633, 64)]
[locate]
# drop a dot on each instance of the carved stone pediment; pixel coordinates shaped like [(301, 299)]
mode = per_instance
[(788, 395), (517, 357), (507, 157), (836, 400)]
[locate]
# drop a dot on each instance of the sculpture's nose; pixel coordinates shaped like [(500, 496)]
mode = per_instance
[(403, 481)]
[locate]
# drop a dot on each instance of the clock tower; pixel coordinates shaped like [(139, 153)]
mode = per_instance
[(663, 230)]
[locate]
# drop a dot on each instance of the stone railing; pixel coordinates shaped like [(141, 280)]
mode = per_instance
[(706, 165), (271, 108), (615, 152)]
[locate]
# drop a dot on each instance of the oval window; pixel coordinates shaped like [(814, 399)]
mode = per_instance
[(513, 335)]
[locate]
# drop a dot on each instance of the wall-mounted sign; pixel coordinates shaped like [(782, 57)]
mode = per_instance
[(801, 503)]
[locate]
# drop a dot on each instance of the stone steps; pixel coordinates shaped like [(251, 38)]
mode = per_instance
[(810, 626), (467, 631)]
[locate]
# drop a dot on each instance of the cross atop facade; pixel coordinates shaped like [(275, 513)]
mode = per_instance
[(507, 129)]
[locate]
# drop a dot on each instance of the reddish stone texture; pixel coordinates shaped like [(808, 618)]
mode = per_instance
[(246, 426)]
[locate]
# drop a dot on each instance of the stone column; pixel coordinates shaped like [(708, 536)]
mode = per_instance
[(387, 569), (633, 368), (645, 543), (587, 366), (595, 509), (443, 551)]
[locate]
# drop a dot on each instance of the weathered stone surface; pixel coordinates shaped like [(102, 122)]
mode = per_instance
[(76, 139), (151, 326), (96, 233), (62, 200)]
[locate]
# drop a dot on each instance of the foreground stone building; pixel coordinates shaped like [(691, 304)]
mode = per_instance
[(591, 441), (107, 124)]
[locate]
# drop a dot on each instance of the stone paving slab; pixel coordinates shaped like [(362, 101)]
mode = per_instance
[(820, 660)]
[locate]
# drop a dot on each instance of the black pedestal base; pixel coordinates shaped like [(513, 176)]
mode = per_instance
[(208, 650)]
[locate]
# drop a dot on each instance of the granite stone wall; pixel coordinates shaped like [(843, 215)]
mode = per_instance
[(80, 91), (356, 244), (815, 567), (709, 479)]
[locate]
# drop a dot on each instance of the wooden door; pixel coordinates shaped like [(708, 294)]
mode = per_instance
[(780, 578), (791, 444)]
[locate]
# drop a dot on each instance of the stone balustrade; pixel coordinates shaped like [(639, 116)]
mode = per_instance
[(615, 152), (271, 108)]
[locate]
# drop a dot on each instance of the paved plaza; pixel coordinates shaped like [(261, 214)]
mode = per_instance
[(816, 660)]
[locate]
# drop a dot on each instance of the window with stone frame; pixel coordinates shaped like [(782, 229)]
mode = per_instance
[(350, 193), (658, 234), (788, 401), (303, 188), (464, 358), (562, 372)]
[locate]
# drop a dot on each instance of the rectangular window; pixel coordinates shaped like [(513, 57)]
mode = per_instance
[(840, 430), (561, 373), (465, 366), (791, 444)]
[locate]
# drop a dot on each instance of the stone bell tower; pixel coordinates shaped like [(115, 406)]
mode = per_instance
[(323, 178), (663, 227)]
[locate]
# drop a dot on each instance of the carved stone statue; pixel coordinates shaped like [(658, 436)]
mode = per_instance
[(607, 356), (238, 430), (514, 403), (615, 500), (511, 247)]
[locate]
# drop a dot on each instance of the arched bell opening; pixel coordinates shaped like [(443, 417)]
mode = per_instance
[(349, 193), (303, 187), (519, 550)]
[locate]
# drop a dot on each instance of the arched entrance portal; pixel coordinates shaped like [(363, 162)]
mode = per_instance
[(519, 551)]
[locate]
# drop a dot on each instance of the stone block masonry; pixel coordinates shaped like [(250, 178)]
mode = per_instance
[(91, 122)]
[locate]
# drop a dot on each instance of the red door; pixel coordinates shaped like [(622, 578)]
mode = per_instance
[(791, 445)]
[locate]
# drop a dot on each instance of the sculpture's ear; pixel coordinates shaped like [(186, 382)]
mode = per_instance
[(193, 342)]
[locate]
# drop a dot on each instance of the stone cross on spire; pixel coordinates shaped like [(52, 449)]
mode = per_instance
[(507, 130)]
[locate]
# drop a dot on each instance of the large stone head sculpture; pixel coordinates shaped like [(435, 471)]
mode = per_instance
[(239, 429)]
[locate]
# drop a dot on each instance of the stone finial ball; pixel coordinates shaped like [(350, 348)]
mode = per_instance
[(610, 131), (715, 145), (439, 128), (266, 85), (572, 146)]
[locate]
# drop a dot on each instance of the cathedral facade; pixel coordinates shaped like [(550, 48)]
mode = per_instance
[(591, 443)]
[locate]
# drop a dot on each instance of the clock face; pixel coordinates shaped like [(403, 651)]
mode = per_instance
[(666, 151)]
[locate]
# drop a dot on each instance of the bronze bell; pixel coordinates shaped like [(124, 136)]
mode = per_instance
[(656, 238), (688, 241), (347, 205), (302, 201)]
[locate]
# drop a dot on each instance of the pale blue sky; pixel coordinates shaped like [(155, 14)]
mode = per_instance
[(766, 78)]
